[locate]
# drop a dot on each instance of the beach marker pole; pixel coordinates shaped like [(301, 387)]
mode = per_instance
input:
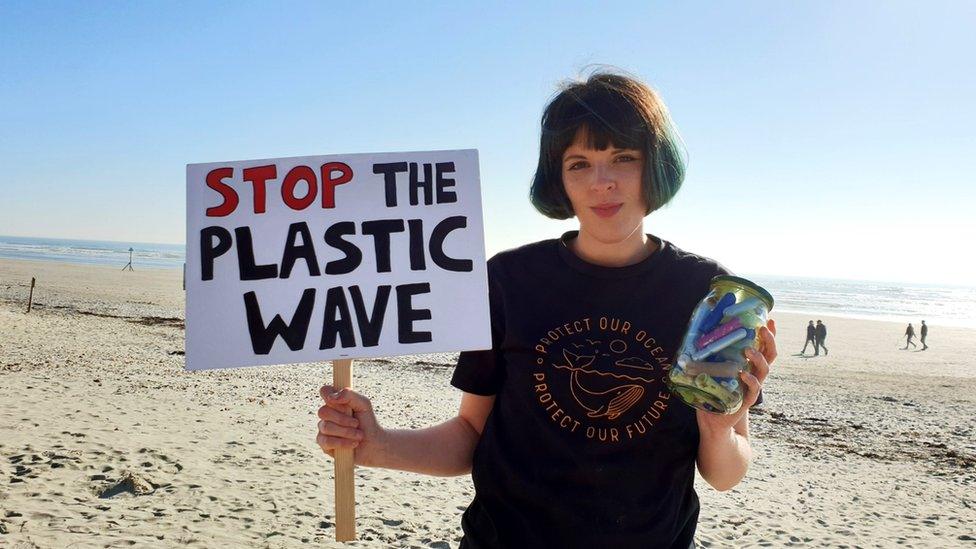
[(30, 298), (345, 495)]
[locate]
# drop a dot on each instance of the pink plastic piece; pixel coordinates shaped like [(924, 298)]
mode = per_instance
[(718, 333)]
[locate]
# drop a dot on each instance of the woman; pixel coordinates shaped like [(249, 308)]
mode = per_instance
[(569, 432)]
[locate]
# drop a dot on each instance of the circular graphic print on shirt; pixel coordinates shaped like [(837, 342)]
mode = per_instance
[(601, 378)]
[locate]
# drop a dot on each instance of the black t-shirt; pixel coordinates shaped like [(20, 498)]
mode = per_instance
[(585, 445)]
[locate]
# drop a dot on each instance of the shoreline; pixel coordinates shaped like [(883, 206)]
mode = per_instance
[(156, 295), (903, 319), (22, 267), (897, 321), (61, 261)]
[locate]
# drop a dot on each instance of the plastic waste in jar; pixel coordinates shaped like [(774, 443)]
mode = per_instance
[(705, 374)]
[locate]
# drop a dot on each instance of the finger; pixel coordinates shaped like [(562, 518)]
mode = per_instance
[(329, 394), (753, 387), (331, 429), (326, 390), (328, 451), (343, 409), (333, 443), (760, 368), (337, 416), (347, 397), (768, 336)]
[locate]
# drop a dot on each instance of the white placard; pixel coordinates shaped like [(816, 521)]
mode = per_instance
[(315, 258)]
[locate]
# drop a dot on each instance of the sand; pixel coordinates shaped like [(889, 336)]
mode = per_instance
[(105, 441)]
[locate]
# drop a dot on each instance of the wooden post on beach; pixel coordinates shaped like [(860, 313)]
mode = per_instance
[(30, 297), (345, 495)]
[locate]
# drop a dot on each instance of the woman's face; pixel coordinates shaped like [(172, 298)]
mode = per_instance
[(604, 188)]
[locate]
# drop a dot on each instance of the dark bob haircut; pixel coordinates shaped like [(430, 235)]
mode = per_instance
[(611, 109)]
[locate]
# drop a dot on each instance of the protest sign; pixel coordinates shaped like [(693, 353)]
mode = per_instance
[(317, 258)]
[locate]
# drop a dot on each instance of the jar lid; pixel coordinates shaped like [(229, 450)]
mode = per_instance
[(763, 294)]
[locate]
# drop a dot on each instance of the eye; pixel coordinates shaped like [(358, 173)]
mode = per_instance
[(577, 165), (626, 157)]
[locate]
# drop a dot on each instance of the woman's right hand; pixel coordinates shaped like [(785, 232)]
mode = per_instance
[(338, 429)]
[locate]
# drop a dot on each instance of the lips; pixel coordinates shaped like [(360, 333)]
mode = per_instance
[(606, 210)]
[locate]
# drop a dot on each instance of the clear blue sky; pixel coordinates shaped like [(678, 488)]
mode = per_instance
[(825, 138)]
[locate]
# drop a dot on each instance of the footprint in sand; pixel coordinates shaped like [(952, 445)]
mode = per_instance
[(23, 471)]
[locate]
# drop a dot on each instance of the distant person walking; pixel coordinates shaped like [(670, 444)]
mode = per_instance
[(811, 337), (820, 333), (924, 331), (909, 334)]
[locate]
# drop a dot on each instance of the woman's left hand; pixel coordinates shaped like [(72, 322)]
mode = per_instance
[(760, 361)]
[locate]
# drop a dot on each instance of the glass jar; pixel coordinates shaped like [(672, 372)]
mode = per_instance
[(705, 372)]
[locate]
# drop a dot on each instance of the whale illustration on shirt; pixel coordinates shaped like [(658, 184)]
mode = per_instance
[(609, 402)]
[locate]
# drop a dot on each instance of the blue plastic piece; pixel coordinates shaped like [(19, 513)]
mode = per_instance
[(713, 318), (745, 305), (720, 344)]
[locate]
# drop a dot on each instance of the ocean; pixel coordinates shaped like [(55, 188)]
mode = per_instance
[(894, 301), (94, 252)]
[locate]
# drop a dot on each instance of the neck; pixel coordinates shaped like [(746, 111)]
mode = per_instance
[(633, 249)]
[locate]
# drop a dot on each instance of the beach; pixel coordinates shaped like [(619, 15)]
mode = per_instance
[(106, 441)]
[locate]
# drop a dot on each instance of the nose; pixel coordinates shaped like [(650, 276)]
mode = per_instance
[(604, 179)]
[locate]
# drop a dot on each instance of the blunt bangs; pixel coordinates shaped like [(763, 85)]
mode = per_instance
[(611, 110)]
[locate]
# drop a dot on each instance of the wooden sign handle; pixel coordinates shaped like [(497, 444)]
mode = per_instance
[(345, 489)]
